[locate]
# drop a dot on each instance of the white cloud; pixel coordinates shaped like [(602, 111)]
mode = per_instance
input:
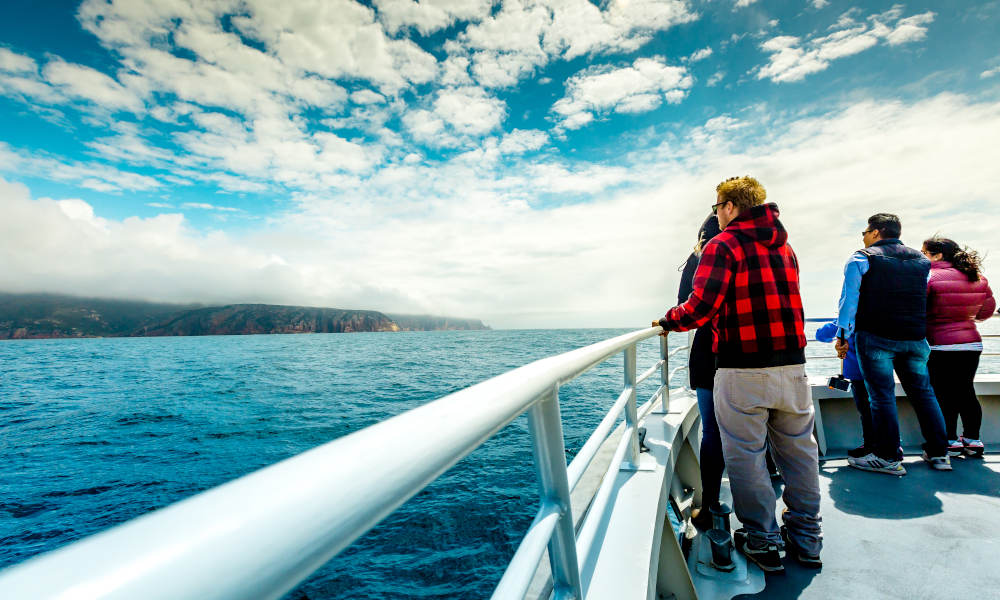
[(524, 36), (457, 116), (92, 175), (206, 206), (820, 4), (792, 58), (744, 3), (700, 54), (989, 73), (910, 29), (519, 141), (367, 97), (429, 16), (88, 84), (11, 62), (637, 88), (715, 78), (601, 255)]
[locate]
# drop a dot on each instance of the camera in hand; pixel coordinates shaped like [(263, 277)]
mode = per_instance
[(839, 383)]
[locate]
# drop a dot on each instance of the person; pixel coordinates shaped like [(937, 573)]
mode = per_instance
[(701, 374), (851, 370), (957, 296), (884, 298), (747, 286)]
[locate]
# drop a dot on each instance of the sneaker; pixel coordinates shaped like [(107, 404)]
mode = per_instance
[(858, 452), (809, 561), (873, 463), (955, 447), (972, 447), (938, 463), (766, 557)]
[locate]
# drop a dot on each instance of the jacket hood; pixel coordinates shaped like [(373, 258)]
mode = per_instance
[(760, 224)]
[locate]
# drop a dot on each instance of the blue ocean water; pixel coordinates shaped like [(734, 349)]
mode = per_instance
[(99, 431)]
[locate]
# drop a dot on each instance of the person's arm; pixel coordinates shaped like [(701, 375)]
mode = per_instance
[(990, 305), (827, 332), (854, 270), (711, 282)]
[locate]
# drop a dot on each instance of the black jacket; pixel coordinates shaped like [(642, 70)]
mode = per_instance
[(893, 298), (701, 363)]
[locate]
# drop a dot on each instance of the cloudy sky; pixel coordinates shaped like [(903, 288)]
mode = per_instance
[(530, 163)]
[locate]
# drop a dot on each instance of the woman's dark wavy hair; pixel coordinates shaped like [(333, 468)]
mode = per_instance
[(708, 230), (965, 260)]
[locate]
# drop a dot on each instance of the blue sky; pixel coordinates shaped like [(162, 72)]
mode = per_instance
[(529, 163)]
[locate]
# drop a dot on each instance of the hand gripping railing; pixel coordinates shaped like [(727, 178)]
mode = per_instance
[(262, 534)]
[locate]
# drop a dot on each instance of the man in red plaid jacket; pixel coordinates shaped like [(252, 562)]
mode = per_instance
[(747, 286)]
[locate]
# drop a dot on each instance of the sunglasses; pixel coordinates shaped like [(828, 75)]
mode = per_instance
[(867, 231), (715, 207)]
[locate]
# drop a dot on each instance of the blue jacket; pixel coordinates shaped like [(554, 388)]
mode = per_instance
[(852, 370)]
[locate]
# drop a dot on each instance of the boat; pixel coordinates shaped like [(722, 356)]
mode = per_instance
[(613, 523)]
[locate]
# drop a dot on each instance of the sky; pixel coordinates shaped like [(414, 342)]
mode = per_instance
[(527, 163)]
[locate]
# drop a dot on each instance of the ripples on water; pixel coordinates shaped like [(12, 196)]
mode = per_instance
[(99, 431)]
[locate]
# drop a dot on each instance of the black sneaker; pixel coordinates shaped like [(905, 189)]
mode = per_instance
[(703, 520), (809, 561), (765, 557), (860, 451)]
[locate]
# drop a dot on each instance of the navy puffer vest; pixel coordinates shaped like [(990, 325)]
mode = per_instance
[(893, 302)]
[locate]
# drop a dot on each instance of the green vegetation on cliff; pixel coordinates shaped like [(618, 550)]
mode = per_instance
[(53, 316)]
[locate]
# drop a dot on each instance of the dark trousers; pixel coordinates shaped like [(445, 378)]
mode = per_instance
[(952, 374), (860, 393), (711, 461), (878, 358)]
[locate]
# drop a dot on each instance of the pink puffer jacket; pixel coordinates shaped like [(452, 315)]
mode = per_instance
[(954, 304)]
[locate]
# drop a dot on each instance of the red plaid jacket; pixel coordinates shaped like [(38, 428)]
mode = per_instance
[(747, 285)]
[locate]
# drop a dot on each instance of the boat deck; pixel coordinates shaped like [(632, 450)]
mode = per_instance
[(927, 535)]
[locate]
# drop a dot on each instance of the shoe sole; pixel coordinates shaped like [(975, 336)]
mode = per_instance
[(897, 473), (938, 466), (779, 570), (976, 452)]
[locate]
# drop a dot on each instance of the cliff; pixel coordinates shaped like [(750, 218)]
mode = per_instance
[(433, 323), (243, 319), (26, 316)]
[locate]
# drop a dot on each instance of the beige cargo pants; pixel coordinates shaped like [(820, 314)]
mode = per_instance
[(752, 405)]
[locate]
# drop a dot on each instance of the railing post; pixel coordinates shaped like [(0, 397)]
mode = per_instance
[(665, 373), (631, 419), (545, 426)]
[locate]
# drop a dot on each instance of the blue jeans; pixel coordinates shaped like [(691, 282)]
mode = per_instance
[(878, 357), (711, 462)]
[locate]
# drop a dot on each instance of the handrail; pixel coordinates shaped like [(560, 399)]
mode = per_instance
[(260, 535)]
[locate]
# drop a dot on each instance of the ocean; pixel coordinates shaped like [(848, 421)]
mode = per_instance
[(99, 431)]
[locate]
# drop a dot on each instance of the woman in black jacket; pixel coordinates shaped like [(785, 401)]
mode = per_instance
[(701, 373)]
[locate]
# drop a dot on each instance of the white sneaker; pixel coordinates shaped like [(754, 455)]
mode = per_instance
[(873, 463), (938, 463)]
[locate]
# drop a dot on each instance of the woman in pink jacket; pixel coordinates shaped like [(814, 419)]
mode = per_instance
[(957, 296)]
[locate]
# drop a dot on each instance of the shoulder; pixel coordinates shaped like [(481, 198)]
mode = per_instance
[(723, 243)]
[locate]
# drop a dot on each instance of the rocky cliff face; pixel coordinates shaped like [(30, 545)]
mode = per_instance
[(25, 316), (244, 319)]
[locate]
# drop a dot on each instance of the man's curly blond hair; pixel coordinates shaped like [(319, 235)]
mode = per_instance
[(744, 192)]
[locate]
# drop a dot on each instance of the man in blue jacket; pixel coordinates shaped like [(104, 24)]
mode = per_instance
[(885, 298)]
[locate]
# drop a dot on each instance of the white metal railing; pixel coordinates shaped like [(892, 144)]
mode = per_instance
[(262, 534)]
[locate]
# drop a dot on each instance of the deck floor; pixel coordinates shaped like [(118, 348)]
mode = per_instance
[(928, 535)]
